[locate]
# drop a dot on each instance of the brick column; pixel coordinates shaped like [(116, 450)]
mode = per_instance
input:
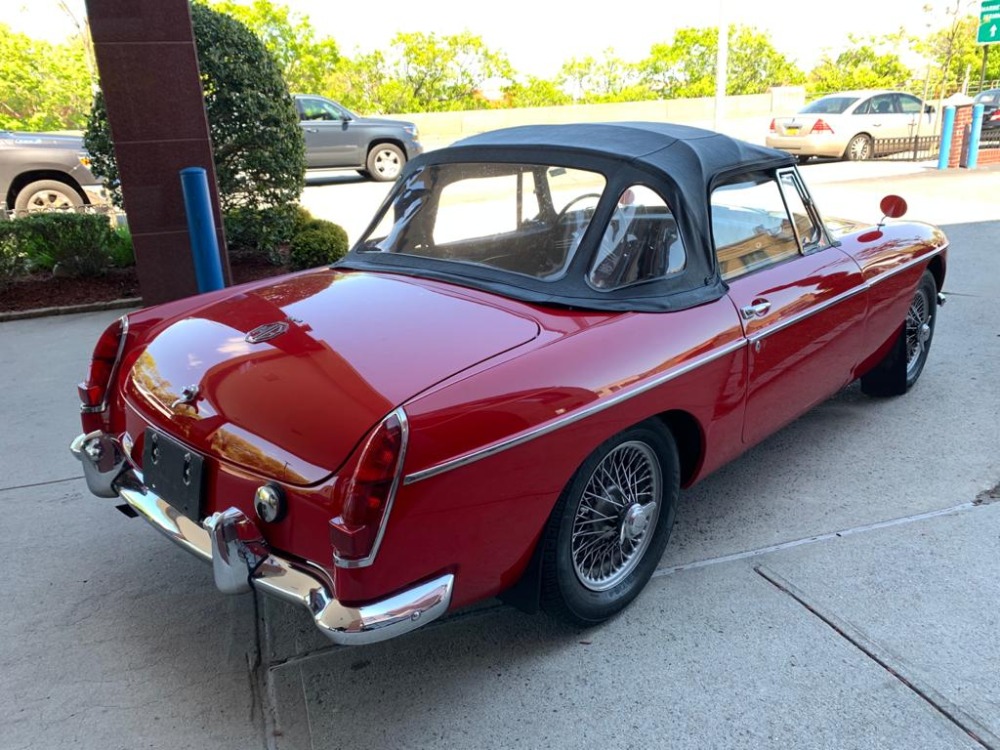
[(149, 74), (963, 116)]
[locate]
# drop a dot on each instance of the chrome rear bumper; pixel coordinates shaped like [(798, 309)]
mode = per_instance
[(242, 560)]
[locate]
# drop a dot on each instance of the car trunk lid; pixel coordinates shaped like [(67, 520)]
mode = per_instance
[(285, 378)]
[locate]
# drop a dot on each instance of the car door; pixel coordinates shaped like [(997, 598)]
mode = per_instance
[(913, 120), (802, 301), (331, 141)]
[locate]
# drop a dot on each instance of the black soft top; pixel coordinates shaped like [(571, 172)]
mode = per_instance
[(681, 162)]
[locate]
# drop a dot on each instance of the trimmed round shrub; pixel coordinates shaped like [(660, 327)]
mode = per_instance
[(319, 244), (257, 144), (260, 231)]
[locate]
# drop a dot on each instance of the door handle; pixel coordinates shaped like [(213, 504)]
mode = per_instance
[(758, 309), (312, 130)]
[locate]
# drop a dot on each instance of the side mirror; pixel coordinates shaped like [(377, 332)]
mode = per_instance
[(929, 109), (893, 206)]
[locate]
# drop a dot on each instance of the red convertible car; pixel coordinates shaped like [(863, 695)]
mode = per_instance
[(543, 335)]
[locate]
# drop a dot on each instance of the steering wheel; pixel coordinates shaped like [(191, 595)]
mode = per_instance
[(562, 214)]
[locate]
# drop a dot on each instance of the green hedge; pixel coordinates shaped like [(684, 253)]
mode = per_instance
[(70, 244)]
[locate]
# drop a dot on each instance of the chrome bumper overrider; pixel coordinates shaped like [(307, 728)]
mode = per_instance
[(241, 558)]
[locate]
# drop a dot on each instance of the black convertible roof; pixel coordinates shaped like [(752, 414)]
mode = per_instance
[(683, 163)]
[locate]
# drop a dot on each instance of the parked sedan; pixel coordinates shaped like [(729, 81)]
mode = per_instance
[(850, 123), (336, 138), (544, 334), (990, 99)]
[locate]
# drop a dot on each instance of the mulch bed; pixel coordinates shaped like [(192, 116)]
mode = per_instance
[(44, 290)]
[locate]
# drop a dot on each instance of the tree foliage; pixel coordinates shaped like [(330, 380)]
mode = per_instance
[(685, 67), (305, 61), (861, 66), (257, 143), (42, 86), (422, 72), (604, 79)]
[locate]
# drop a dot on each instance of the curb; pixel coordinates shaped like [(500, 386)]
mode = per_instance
[(45, 312)]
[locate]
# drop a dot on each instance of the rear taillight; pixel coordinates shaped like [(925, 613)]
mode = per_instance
[(773, 127), (820, 126), (95, 389), (369, 492), (995, 115)]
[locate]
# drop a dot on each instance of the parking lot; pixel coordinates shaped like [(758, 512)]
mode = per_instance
[(836, 587)]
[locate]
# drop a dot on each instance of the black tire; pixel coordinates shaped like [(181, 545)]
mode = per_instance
[(385, 162), (577, 585), (859, 148), (47, 195), (899, 370)]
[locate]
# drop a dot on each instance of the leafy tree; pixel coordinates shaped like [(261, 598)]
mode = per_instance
[(536, 92), (605, 79), (305, 62), (686, 66), (257, 143), (42, 86), (859, 67), (422, 72)]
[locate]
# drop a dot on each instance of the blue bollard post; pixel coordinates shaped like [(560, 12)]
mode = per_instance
[(947, 131), (201, 227), (974, 133)]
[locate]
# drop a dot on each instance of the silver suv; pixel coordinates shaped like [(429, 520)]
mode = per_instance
[(42, 171), (336, 138)]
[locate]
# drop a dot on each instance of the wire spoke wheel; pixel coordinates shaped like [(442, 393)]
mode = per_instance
[(918, 329), (616, 516)]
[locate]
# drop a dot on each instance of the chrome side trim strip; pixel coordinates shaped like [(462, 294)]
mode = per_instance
[(568, 419), (799, 317), (899, 269)]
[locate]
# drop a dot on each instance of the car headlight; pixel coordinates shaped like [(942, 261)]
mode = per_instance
[(412, 130)]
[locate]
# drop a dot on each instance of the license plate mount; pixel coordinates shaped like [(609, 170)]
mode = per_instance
[(174, 472)]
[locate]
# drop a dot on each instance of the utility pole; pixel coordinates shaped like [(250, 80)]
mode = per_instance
[(721, 62)]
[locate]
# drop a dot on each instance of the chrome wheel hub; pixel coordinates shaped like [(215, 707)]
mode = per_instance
[(616, 516), (918, 330)]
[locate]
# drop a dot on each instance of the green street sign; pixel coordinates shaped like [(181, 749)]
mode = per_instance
[(989, 28), (989, 22)]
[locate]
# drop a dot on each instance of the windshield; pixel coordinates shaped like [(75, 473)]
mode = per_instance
[(522, 218), (829, 105)]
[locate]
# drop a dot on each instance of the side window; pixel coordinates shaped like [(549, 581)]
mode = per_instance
[(865, 108), (884, 104), (910, 104), (751, 226), (640, 243), (318, 109), (805, 224)]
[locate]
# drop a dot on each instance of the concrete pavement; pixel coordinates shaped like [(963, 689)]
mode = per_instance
[(836, 587)]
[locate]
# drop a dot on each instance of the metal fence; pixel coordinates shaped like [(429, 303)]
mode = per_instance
[(911, 148)]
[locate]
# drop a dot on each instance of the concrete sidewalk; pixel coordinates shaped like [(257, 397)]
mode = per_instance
[(836, 587)]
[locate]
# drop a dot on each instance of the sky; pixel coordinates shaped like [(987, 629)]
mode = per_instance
[(539, 35)]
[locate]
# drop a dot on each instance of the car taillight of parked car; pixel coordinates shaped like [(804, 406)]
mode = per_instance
[(821, 126), (773, 128), (94, 391), (369, 493)]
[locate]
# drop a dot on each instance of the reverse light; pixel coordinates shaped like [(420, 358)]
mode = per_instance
[(370, 490), (94, 391), (821, 126)]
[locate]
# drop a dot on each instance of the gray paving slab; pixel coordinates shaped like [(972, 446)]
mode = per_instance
[(707, 658), (41, 361), (926, 599), (112, 637)]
